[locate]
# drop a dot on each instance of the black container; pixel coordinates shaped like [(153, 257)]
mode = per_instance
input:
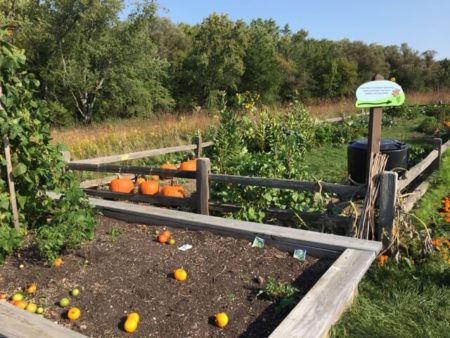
[(357, 157)]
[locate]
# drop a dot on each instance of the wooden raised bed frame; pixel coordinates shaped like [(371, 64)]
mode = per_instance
[(319, 308), (312, 317)]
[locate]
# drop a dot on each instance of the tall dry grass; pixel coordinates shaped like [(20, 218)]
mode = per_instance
[(331, 108), (122, 136)]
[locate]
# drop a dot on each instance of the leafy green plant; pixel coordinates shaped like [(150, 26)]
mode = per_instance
[(286, 295), (114, 233), (38, 165), (10, 240), (262, 144), (429, 125)]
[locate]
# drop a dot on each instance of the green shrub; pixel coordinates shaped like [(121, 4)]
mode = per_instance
[(263, 144), (38, 166), (429, 125)]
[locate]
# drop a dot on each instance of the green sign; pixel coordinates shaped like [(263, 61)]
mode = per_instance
[(381, 93)]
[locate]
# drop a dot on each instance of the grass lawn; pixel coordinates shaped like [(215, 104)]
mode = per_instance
[(398, 300), (329, 162)]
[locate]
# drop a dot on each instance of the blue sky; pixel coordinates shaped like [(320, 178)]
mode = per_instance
[(424, 25)]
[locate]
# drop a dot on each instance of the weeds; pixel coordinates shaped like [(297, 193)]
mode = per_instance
[(285, 295), (114, 233)]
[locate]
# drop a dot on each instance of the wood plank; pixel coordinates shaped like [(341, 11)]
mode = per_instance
[(11, 186), (270, 232), (387, 198), (202, 181), (129, 169), (141, 154), (417, 170), (101, 181), (66, 155), (322, 306), (445, 146), (343, 117), (437, 145), (155, 199), (408, 204), (277, 242), (198, 144), (339, 189), (17, 323)]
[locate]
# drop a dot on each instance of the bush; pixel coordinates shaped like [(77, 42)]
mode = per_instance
[(263, 144), (429, 125), (38, 166)]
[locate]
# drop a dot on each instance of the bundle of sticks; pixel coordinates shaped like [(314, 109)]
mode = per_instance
[(366, 225)]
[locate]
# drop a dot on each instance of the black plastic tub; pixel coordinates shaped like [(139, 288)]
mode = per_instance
[(357, 157)]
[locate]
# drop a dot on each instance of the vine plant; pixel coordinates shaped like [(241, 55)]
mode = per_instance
[(38, 166)]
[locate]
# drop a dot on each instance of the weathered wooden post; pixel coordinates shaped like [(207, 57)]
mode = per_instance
[(12, 189), (387, 198), (66, 156), (198, 142), (375, 95), (374, 137), (437, 145), (202, 177)]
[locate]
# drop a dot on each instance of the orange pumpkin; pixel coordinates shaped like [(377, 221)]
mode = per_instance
[(190, 165), (122, 184), (149, 187), (167, 166), (173, 191)]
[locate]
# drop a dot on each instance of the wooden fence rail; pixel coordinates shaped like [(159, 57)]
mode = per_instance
[(339, 189), (145, 153), (391, 187), (128, 169), (433, 158)]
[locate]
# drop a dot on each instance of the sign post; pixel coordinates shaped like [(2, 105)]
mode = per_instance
[(374, 95)]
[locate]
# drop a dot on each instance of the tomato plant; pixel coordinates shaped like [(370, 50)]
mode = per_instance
[(38, 166)]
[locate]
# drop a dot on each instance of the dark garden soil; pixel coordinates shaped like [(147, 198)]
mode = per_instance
[(133, 272)]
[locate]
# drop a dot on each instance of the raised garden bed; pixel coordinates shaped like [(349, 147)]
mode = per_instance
[(131, 271)]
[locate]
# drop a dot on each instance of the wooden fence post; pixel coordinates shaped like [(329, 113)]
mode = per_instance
[(437, 145), (66, 155), (198, 150), (387, 197), (12, 189), (202, 177)]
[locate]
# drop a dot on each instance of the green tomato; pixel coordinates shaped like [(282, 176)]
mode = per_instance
[(75, 292), (64, 302), (40, 310)]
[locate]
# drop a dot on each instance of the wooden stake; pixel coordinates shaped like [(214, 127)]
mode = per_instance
[(198, 143), (12, 190)]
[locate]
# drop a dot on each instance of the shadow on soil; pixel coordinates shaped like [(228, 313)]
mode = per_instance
[(267, 322)]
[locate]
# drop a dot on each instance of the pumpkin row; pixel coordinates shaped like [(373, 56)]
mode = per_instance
[(152, 187), (146, 187)]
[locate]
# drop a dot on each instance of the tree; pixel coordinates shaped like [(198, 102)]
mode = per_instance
[(443, 74), (262, 64), (92, 64), (216, 61)]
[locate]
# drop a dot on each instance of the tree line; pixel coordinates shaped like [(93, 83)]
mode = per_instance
[(94, 64)]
